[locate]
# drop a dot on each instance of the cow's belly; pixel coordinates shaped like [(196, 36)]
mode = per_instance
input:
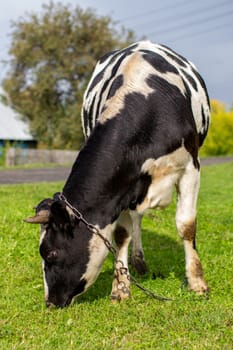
[(159, 194), (165, 173)]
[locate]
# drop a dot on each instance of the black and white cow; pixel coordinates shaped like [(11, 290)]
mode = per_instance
[(146, 113)]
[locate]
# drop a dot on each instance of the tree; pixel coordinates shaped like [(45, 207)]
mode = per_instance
[(219, 139), (52, 57)]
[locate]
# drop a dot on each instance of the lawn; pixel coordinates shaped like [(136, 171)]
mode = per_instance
[(187, 322)]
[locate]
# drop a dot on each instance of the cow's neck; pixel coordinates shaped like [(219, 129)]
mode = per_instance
[(103, 181)]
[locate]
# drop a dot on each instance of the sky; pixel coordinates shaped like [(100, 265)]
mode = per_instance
[(200, 30)]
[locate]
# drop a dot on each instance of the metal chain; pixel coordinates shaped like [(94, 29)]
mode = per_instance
[(111, 248), (89, 226)]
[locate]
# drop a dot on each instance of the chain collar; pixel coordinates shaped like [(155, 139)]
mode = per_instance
[(89, 226)]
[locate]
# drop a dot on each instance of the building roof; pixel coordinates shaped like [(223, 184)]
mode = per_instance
[(11, 126)]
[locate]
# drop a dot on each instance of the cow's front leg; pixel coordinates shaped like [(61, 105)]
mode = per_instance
[(121, 282), (187, 189)]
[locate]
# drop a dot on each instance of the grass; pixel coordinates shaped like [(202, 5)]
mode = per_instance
[(188, 322)]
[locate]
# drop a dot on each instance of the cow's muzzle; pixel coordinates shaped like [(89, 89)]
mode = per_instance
[(52, 304)]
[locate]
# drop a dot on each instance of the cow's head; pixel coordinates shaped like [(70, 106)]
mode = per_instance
[(65, 247)]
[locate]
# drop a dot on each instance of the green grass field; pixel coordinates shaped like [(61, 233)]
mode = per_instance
[(188, 322)]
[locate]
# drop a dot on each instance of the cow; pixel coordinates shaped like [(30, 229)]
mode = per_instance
[(146, 113)]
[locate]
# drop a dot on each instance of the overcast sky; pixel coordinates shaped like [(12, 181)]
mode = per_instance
[(201, 30)]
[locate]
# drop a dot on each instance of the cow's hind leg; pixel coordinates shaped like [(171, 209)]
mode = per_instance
[(121, 282), (137, 255), (187, 190)]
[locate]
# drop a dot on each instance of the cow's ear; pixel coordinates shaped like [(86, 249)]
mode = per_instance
[(59, 213)]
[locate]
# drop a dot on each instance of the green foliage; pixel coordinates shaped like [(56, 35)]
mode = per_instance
[(2, 156), (3, 150), (53, 55), (189, 322), (219, 140)]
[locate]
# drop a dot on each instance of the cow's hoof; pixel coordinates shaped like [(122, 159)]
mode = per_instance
[(138, 263), (120, 288), (119, 295), (198, 285)]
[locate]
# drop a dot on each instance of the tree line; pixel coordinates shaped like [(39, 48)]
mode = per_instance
[(52, 58)]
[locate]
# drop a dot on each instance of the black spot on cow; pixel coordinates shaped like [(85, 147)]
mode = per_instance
[(205, 123), (158, 62), (128, 50), (201, 81), (190, 79), (96, 80), (203, 117), (116, 84), (90, 114), (85, 120), (120, 235), (188, 91), (182, 61), (107, 55)]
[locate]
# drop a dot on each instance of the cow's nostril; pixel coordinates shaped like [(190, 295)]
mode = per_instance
[(49, 304), (52, 305)]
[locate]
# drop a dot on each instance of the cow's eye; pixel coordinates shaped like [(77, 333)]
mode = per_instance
[(54, 227), (52, 256)]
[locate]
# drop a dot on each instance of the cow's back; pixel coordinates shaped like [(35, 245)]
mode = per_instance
[(147, 69)]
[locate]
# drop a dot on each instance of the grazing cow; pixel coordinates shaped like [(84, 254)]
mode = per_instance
[(146, 113)]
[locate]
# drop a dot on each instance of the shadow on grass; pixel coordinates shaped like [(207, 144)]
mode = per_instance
[(164, 256)]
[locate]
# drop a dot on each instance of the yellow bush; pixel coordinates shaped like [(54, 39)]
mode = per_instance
[(219, 140)]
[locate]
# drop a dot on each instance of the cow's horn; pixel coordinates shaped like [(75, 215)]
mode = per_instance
[(41, 217)]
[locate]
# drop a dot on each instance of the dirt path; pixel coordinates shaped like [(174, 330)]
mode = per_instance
[(16, 176), (33, 175)]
